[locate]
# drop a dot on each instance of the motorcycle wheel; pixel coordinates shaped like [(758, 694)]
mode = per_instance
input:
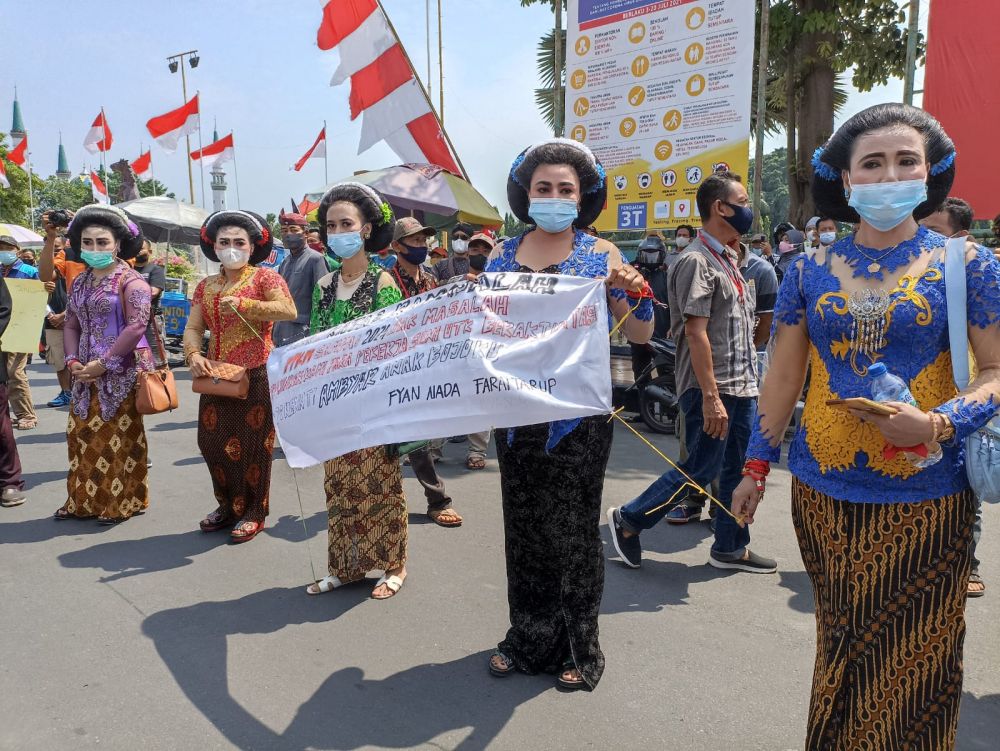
[(659, 417)]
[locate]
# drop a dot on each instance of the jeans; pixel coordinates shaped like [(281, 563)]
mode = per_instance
[(707, 458)]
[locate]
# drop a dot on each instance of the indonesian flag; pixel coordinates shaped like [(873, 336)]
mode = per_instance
[(3, 176), (143, 166), (169, 128), (216, 153), (317, 150), (97, 188), (19, 154), (99, 138), (383, 86)]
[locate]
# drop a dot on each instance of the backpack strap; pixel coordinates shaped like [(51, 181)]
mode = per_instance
[(955, 296)]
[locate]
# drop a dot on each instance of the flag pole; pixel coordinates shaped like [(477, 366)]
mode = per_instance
[(236, 174), (326, 157), (152, 172), (201, 157), (31, 191), (423, 90)]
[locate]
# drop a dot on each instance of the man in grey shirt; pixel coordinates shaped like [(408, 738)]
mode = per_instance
[(301, 269), (712, 323)]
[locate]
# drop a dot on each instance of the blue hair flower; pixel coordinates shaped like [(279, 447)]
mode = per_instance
[(602, 178), (943, 165), (513, 169), (821, 168)]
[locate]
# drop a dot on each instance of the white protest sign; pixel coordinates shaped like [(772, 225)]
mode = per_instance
[(510, 349)]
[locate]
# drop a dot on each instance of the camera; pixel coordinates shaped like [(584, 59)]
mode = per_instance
[(59, 218)]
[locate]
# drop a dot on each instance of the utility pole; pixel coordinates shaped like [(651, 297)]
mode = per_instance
[(557, 121), (174, 62), (440, 69), (758, 160), (912, 30)]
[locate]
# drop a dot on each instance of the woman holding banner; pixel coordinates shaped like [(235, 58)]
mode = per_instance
[(239, 306), (552, 474), (364, 488)]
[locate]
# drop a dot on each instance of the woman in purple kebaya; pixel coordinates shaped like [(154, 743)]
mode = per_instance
[(106, 347)]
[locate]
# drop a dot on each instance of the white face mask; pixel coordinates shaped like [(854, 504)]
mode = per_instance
[(682, 242), (460, 246), (233, 258)]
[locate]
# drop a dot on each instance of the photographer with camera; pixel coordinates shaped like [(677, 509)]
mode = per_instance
[(58, 275)]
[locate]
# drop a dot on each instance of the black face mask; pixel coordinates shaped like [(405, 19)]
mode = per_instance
[(478, 261), (142, 259), (294, 243)]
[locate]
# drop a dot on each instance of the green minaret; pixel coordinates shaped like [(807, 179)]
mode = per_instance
[(17, 131), (62, 166)]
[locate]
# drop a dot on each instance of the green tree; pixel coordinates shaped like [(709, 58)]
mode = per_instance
[(15, 200), (553, 112), (774, 188), (57, 193)]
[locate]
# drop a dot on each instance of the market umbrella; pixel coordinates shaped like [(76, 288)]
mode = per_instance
[(163, 219), (443, 198), (24, 236)]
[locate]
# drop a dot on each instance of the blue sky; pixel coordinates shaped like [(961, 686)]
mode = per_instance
[(262, 75)]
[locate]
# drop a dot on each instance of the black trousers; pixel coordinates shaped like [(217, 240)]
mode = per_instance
[(427, 476)]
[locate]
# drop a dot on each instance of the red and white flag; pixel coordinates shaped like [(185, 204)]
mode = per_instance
[(169, 128), (383, 85), (317, 150), (98, 189), (3, 176), (143, 166), (19, 153), (216, 153), (99, 138)]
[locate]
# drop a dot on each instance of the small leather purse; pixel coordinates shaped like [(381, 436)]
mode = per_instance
[(230, 381)]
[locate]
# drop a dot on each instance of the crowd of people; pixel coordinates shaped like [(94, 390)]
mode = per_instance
[(887, 539)]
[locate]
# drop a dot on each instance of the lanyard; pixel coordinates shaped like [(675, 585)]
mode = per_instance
[(731, 271)]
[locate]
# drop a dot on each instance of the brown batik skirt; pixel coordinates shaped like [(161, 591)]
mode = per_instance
[(367, 513), (890, 583), (107, 462), (236, 437)]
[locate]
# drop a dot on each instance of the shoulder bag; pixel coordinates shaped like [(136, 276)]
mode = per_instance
[(230, 381), (156, 390), (982, 448)]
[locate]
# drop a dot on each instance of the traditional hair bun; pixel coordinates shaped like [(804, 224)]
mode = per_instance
[(126, 232), (254, 224), (375, 210), (593, 180)]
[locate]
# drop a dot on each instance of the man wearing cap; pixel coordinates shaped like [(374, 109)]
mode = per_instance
[(19, 391), (458, 264), (409, 240), (301, 270), (812, 233)]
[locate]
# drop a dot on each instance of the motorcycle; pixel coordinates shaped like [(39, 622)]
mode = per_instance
[(653, 398)]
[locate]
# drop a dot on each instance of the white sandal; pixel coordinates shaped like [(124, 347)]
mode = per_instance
[(324, 585), (392, 582)]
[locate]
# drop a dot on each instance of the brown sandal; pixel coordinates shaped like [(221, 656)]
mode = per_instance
[(475, 461), (245, 531), (215, 521), (27, 423), (977, 588), (445, 517)]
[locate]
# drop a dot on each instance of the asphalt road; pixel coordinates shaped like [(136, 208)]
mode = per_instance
[(153, 635)]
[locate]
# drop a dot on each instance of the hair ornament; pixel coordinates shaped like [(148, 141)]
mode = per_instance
[(386, 212), (943, 165), (513, 168), (821, 168)]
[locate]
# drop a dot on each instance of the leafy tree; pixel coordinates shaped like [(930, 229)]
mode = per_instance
[(15, 200), (512, 226), (774, 188), (57, 193)]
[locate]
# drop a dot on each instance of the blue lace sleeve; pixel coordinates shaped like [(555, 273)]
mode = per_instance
[(791, 305), (983, 289), (760, 447), (967, 415)]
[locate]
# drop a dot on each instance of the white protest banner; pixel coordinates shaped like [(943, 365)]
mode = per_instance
[(509, 349), (660, 92)]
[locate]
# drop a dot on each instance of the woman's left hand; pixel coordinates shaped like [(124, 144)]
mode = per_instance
[(908, 427), (91, 372), (231, 302), (625, 277)]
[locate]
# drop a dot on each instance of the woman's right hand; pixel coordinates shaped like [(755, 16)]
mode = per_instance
[(746, 497), (200, 367)]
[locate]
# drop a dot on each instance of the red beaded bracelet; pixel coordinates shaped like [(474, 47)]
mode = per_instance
[(645, 292), (756, 468)]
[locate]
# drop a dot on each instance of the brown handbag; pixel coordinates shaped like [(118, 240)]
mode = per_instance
[(156, 390), (230, 381)]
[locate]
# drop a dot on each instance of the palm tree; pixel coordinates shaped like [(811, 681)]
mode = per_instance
[(550, 98)]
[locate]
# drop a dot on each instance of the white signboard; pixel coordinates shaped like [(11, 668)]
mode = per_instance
[(510, 349), (660, 91)]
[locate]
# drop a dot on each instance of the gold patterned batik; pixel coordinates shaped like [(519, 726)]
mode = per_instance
[(889, 581)]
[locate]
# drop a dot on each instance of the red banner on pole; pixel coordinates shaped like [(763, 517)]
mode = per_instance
[(959, 90)]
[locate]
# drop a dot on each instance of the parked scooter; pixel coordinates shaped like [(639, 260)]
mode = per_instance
[(654, 398)]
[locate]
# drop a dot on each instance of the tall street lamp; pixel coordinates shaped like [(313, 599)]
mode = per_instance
[(174, 62)]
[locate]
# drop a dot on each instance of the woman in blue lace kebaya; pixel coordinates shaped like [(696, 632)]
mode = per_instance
[(885, 543), (552, 474)]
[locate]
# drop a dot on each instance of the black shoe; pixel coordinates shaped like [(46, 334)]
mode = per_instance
[(751, 563), (149, 463), (629, 548)]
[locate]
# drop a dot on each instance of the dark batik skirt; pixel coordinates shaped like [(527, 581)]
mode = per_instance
[(555, 559), (236, 437), (890, 582)]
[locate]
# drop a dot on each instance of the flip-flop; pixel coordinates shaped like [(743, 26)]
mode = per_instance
[(241, 538), (567, 685), (392, 582), (436, 514), (501, 672), (324, 585)]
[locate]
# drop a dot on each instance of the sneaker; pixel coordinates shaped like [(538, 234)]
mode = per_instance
[(750, 562), (12, 497), (629, 548), (63, 400), (149, 463), (683, 514)]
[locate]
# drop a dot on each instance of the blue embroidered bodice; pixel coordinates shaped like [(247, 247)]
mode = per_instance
[(833, 451), (583, 261)]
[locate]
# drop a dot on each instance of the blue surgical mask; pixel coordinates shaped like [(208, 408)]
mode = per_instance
[(97, 259), (345, 244), (7, 257), (553, 215), (827, 238), (887, 205)]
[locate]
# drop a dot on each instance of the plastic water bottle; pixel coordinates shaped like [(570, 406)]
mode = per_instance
[(886, 387)]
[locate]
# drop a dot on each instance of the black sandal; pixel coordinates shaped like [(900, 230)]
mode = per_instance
[(107, 521), (508, 665), (573, 685)]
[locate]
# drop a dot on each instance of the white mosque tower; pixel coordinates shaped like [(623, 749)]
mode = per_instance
[(218, 181)]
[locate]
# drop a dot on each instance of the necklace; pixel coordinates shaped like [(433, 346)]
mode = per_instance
[(879, 261), (875, 266), (353, 276)]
